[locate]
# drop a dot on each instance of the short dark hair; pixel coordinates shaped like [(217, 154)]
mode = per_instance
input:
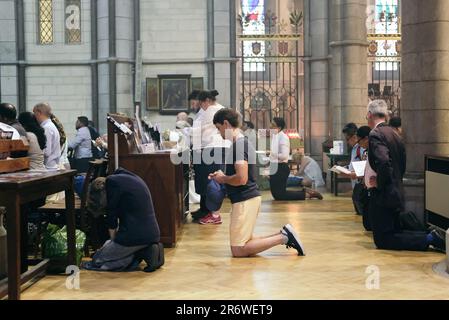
[(363, 132), (249, 124), (194, 95), (227, 114), (84, 121), (8, 111), (190, 121), (280, 123), (395, 122), (350, 129), (211, 95)]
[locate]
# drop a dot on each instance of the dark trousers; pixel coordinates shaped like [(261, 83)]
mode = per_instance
[(278, 185), (81, 165), (203, 206), (385, 223)]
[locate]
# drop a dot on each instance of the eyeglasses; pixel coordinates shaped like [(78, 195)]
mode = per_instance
[(358, 140)]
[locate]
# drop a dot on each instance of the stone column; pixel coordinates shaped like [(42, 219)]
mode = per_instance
[(425, 88), (221, 52), (349, 54), (316, 73)]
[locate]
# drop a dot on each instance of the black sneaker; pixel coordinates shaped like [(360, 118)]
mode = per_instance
[(439, 242), (199, 214), (293, 240)]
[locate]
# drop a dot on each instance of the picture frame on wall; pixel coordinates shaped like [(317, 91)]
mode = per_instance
[(168, 94), (152, 92), (173, 93), (197, 84)]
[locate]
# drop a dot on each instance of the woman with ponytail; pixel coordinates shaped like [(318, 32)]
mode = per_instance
[(207, 144)]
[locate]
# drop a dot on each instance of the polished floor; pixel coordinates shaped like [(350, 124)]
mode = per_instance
[(341, 263)]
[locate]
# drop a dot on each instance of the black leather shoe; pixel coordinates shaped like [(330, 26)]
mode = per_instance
[(439, 242)]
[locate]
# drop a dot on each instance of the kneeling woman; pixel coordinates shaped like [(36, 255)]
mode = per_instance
[(280, 152)]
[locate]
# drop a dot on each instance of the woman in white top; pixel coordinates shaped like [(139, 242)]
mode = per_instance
[(207, 144), (310, 170), (36, 138), (279, 156)]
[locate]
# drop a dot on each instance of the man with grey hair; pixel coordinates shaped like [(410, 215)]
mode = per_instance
[(52, 152), (383, 178), (182, 116)]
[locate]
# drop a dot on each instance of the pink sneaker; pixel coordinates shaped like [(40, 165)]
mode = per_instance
[(210, 219)]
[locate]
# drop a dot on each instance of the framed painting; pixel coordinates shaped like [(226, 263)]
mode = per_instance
[(197, 84), (173, 93), (152, 87)]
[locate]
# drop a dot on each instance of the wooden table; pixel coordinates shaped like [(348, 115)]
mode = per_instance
[(20, 188), (342, 160)]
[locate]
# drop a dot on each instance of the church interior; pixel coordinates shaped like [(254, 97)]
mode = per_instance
[(147, 146)]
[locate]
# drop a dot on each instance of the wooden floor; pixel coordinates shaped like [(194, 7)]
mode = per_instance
[(338, 255)]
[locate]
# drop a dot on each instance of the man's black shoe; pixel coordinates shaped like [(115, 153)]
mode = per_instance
[(439, 242), (293, 240)]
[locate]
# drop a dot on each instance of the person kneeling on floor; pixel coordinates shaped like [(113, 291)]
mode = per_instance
[(239, 179), (133, 228)]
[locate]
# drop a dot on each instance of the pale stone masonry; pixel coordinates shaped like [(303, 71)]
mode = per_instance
[(425, 89)]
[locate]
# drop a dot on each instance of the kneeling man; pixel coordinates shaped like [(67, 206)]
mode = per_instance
[(133, 228), (240, 182)]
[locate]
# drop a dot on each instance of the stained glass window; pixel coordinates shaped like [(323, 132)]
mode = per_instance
[(384, 24), (45, 8), (253, 14)]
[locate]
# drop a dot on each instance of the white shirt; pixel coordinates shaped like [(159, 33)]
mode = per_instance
[(369, 172), (64, 160), (313, 172), (15, 133), (204, 132), (82, 144), (353, 159), (52, 152), (35, 153), (280, 148)]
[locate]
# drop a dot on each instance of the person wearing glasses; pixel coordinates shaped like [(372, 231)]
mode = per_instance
[(350, 133)]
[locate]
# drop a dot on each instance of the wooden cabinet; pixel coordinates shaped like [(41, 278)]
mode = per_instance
[(164, 179)]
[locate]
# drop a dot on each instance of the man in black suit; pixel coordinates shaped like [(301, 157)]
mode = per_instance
[(383, 177)]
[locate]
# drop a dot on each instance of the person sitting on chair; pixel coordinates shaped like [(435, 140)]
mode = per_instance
[(133, 228)]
